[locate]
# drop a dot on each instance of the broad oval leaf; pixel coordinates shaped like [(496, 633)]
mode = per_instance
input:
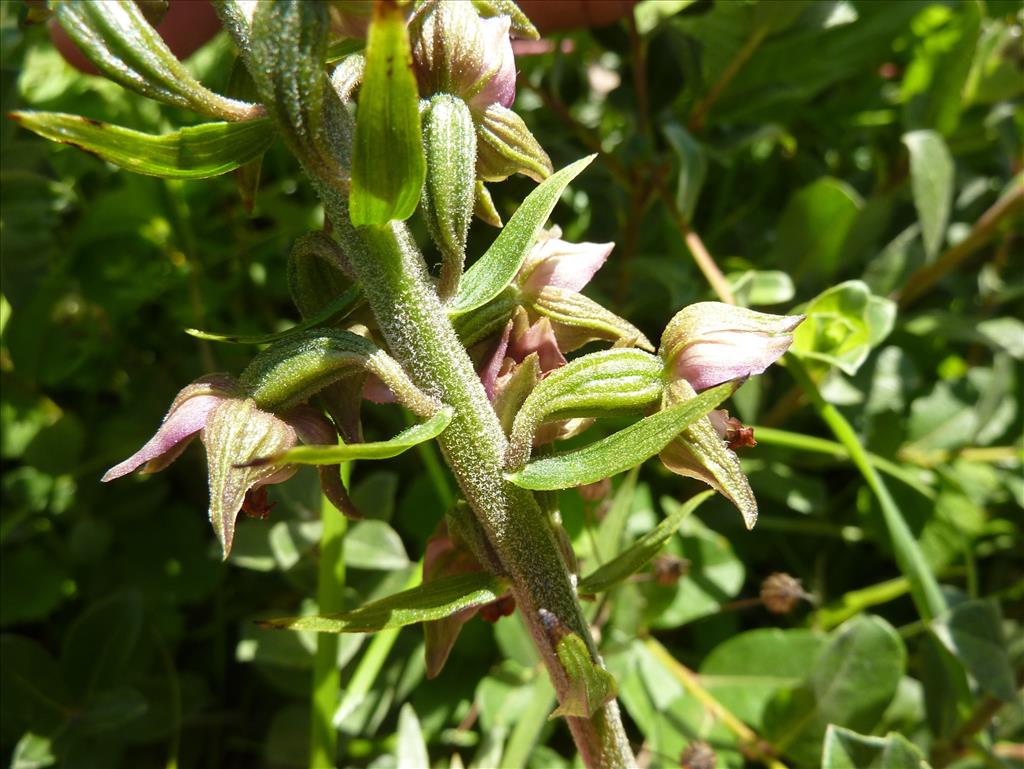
[(196, 152), (388, 167), (500, 263), (424, 603), (845, 749), (331, 455), (619, 451), (636, 556), (116, 37), (332, 313)]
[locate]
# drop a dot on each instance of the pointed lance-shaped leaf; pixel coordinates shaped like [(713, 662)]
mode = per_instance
[(424, 603), (329, 455), (450, 145), (118, 39), (637, 555), (621, 450), (196, 152), (498, 267), (605, 383), (388, 167)]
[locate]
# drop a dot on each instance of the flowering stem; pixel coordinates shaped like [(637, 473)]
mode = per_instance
[(323, 737), (411, 318)]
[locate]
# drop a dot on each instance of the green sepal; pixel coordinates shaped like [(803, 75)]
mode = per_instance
[(196, 152), (424, 603), (388, 167), (577, 319), (290, 371), (589, 686), (497, 268), (486, 321), (334, 454), (117, 38), (334, 312), (636, 556), (288, 42), (483, 205), (449, 142), (606, 383), (505, 146), (621, 450), (236, 432), (522, 27)]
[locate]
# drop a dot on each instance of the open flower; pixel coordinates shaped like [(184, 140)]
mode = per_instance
[(704, 345), (709, 343), (235, 432)]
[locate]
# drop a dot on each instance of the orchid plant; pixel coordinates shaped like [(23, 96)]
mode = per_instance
[(396, 110)]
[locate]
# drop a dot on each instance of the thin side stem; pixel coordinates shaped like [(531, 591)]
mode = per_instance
[(922, 280), (700, 254), (750, 743), (700, 111), (924, 588)]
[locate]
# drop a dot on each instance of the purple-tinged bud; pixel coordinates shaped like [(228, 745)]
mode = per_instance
[(455, 51), (559, 263), (709, 343)]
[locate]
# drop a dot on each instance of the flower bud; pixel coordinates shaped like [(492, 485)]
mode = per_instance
[(780, 593), (455, 51), (505, 146), (709, 342)]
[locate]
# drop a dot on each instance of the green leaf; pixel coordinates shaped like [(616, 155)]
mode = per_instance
[(435, 600), (619, 451), (32, 692), (693, 167), (845, 749), (755, 288), (412, 750), (499, 265), (843, 324), (609, 533), (99, 645), (589, 686), (33, 752), (197, 152), (814, 226), (637, 555), (332, 455), (337, 310), (850, 684), (931, 177), (388, 167), (973, 631), (116, 37), (744, 672), (374, 545)]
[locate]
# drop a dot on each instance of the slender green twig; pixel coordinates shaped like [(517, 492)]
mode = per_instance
[(750, 743), (924, 588), (700, 111)]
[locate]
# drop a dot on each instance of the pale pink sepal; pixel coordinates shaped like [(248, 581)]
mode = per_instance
[(182, 422), (729, 355), (492, 363), (501, 87), (559, 263)]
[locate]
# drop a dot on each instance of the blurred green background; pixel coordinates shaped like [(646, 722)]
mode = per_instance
[(774, 131)]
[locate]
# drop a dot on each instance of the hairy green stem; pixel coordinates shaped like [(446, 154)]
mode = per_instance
[(398, 288)]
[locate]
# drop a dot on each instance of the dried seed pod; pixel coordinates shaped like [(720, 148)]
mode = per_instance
[(698, 755), (780, 593)]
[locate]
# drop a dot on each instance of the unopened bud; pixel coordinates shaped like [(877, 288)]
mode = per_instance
[(669, 569), (698, 755)]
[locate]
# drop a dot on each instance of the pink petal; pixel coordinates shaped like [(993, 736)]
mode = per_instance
[(501, 88), (539, 338), (183, 421), (728, 355), (375, 391), (562, 264), (492, 363)]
